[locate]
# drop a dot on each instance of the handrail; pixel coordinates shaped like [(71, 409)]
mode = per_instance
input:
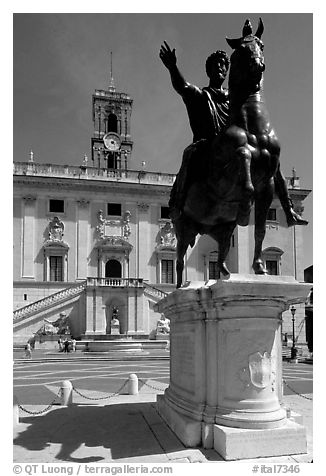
[(47, 301), (155, 291)]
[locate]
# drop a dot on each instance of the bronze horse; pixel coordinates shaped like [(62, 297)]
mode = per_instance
[(238, 170)]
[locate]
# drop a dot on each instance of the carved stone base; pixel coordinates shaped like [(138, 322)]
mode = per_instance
[(115, 329), (226, 359), (236, 443)]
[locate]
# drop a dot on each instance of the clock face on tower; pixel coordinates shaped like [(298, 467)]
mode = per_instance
[(112, 141)]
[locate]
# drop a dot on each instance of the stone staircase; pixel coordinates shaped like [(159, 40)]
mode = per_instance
[(52, 305), (153, 293)]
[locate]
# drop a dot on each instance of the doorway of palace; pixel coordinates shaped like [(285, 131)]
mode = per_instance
[(113, 269)]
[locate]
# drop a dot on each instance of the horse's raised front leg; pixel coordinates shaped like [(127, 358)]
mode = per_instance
[(263, 200)]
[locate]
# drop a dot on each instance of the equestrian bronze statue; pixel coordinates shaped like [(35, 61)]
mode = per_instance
[(233, 162)]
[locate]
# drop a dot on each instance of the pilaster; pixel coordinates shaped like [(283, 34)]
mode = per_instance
[(82, 238), (28, 237)]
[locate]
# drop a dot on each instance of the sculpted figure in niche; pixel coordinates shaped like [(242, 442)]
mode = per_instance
[(115, 315)]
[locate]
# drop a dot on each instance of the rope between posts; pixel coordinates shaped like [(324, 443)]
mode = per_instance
[(150, 386), (101, 398), (44, 409), (294, 391)]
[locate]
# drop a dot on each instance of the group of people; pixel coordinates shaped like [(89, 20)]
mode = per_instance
[(67, 345)]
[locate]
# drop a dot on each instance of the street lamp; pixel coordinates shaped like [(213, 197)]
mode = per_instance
[(294, 350)]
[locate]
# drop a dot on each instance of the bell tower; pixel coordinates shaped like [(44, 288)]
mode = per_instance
[(111, 143)]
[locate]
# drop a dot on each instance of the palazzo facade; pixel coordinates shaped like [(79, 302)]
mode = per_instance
[(96, 236)]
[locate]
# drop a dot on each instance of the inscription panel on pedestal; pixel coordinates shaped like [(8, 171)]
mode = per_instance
[(183, 362)]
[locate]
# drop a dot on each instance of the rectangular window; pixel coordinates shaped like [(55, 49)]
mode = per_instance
[(57, 206), (272, 267), (167, 271), (56, 268), (165, 212), (114, 209), (212, 270), (271, 215)]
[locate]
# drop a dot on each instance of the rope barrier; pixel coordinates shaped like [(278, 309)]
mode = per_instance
[(41, 411), (59, 394), (101, 398), (150, 386), (294, 391)]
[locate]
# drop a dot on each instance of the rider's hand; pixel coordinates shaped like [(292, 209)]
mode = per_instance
[(168, 56)]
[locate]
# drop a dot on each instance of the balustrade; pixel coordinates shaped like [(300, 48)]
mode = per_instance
[(115, 282), (94, 173), (48, 301)]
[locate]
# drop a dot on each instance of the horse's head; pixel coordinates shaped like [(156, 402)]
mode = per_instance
[(247, 60)]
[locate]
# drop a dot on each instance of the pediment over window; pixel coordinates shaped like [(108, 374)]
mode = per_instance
[(114, 243), (59, 245), (273, 250)]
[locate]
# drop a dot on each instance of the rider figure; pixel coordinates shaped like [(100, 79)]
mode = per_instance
[(208, 110)]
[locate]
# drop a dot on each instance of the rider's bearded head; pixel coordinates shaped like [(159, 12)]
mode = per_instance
[(212, 62)]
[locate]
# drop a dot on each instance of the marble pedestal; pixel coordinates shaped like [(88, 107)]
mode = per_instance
[(226, 366), (115, 329)]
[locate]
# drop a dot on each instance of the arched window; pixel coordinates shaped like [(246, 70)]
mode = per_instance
[(113, 269), (272, 257), (112, 123)]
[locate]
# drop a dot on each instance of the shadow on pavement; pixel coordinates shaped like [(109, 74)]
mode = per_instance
[(117, 431)]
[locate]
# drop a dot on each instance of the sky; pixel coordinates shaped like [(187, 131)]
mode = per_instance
[(59, 59)]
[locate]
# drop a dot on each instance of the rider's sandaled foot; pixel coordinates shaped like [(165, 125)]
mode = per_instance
[(294, 219), (258, 267)]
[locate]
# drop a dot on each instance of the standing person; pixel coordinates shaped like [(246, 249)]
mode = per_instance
[(66, 345), (208, 112), (32, 342), (60, 344), (73, 344), (28, 351)]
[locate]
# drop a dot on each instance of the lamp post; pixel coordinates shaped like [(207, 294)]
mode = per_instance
[(294, 350)]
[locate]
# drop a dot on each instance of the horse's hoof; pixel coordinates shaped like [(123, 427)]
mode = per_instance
[(224, 269), (259, 268)]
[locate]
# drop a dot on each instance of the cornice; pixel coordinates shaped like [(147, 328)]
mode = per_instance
[(91, 186)]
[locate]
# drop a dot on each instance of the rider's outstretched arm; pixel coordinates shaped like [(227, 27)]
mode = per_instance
[(169, 60)]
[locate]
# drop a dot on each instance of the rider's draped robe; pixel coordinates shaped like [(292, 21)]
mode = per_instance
[(208, 111)]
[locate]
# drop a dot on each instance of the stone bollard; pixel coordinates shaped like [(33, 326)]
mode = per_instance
[(133, 384), (15, 411), (66, 393)]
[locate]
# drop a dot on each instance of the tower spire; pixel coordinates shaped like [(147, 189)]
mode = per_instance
[(111, 85)]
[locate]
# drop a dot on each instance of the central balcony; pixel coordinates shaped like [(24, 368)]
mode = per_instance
[(116, 282)]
